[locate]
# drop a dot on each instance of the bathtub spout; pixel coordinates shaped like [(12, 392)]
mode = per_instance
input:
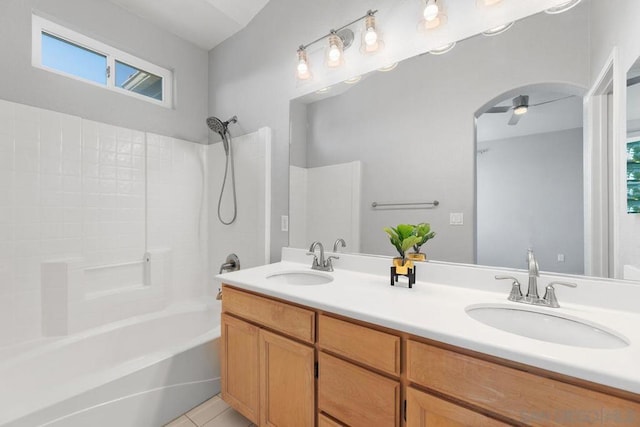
[(219, 296)]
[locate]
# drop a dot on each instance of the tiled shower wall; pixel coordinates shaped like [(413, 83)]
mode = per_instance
[(73, 188)]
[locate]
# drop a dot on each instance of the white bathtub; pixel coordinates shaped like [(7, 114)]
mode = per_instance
[(140, 372)]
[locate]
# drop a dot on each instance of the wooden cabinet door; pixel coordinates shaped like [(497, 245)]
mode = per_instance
[(287, 382), (426, 410), (239, 366), (356, 396)]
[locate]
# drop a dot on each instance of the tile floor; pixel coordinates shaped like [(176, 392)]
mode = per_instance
[(212, 413)]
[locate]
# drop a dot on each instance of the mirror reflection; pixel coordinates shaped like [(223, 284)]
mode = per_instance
[(436, 128)]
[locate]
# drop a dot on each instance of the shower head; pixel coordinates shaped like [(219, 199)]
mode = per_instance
[(221, 128)]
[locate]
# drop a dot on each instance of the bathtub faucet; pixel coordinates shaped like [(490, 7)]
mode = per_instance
[(232, 263)]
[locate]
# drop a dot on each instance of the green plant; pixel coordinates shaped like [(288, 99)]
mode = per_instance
[(423, 231), (402, 237)]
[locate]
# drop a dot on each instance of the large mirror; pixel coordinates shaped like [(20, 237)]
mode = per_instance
[(381, 151)]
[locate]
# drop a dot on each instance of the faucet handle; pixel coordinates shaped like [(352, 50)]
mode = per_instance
[(315, 258), (328, 264), (550, 293), (516, 292)]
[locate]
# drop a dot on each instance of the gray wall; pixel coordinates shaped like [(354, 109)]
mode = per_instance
[(107, 23), (413, 128), (530, 196)]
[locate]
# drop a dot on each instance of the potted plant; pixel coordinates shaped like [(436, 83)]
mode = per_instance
[(402, 237), (423, 231)]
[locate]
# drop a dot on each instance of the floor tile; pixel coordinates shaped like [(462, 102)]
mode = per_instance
[(183, 421), (229, 418), (207, 411)]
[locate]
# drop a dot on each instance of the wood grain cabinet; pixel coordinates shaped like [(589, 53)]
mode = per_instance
[(266, 376), (279, 370)]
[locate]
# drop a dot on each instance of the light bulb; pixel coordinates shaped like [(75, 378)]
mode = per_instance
[(371, 36), (303, 68), (334, 53), (431, 10)]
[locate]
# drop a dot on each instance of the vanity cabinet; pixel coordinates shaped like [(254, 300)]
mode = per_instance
[(506, 392), (268, 375), (358, 373), (284, 365)]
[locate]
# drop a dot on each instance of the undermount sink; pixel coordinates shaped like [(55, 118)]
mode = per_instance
[(300, 277), (544, 326)]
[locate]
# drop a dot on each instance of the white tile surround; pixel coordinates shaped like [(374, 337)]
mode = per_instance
[(93, 195)]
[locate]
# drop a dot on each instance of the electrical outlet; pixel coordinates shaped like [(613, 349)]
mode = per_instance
[(284, 223), (560, 257), (456, 218)]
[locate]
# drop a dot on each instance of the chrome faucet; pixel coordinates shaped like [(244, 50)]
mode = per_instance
[(532, 297), (534, 273), (320, 263), (340, 242)]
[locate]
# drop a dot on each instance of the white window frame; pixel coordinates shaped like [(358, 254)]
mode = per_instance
[(40, 25)]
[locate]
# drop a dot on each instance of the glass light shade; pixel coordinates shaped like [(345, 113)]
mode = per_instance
[(302, 69), (371, 38), (335, 54)]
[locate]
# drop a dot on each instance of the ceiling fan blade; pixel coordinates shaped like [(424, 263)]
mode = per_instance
[(515, 118), (549, 102), (499, 109), (633, 81)]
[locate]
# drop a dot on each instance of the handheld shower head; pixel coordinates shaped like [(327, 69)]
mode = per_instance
[(221, 128)]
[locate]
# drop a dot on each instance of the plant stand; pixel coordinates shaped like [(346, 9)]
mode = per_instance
[(410, 274)]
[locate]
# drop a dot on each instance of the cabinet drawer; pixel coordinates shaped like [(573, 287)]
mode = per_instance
[(288, 319), (361, 344), (519, 395), (356, 396), (427, 410)]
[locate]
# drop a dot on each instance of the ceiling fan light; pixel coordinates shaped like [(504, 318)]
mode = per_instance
[(520, 110), (562, 7)]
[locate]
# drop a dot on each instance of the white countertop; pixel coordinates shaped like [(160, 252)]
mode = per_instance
[(437, 311)]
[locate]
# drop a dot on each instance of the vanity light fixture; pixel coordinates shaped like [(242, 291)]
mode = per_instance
[(498, 30), (563, 7), (389, 67), (433, 15), (443, 49), (338, 41), (302, 70)]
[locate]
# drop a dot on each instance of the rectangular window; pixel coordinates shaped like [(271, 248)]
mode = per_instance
[(60, 50)]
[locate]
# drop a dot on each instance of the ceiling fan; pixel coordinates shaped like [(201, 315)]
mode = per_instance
[(520, 107)]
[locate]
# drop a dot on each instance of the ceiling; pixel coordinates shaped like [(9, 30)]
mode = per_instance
[(205, 23)]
